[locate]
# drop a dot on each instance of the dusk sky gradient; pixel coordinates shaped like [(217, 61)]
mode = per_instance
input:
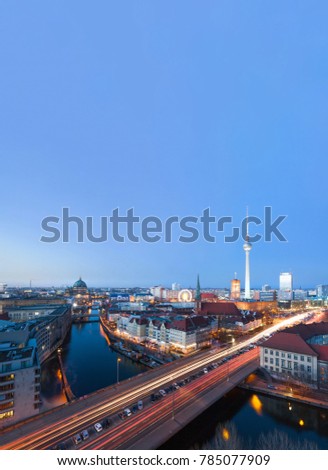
[(170, 108)]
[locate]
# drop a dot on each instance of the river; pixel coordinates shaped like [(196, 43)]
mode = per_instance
[(89, 362), (241, 419)]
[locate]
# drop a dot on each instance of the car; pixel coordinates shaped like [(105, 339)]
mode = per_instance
[(153, 397), (205, 370), (106, 423), (127, 412), (85, 434), (121, 415), (134, 409), (77, 439), (162, 392), (272, 387), (61, 446), (140, 405), (98, 427)]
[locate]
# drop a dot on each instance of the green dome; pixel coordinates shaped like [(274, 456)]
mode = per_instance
[(80, 284)]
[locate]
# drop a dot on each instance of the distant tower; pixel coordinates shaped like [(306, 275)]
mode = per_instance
[(247, 248), (235, 288), (198, 297)]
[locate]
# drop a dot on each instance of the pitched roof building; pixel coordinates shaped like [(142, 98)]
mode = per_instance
[(299, 352)]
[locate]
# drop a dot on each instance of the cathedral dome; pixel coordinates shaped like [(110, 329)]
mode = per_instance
[(80, 284)]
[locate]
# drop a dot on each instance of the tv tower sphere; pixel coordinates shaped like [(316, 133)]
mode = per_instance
[(247, 246)]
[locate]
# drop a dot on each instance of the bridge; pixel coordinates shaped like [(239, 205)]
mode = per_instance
[(59, 425), (158, 421), (76, 317)]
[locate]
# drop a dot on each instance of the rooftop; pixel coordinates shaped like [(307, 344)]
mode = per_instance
[(289, 342), (12, 354)]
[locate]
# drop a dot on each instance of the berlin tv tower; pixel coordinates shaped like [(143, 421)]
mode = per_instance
[(247, 248)]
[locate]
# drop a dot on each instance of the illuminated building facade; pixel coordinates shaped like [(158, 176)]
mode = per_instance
[(285, 286), (235, 289), (19, 382), (299, 353)]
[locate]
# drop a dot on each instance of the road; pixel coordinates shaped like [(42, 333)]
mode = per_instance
[(51, 428), (143, 428)]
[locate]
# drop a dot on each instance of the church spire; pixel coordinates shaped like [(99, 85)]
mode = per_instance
[(197, 296)]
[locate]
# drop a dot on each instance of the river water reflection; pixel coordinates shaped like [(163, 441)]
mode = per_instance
[(91, 364)]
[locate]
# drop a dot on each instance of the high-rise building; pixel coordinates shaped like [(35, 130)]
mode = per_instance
[(247, 248), (157, 292), (19, 382), (286, 286), (235, 289), (322, 290), (176, 286)]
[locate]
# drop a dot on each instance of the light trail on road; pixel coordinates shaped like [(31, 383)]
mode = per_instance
[(82, 414)]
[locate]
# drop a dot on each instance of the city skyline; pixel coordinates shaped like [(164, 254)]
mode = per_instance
[(218, 107)]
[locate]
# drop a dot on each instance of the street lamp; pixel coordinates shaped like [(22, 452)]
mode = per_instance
[(118, 369), (173, 392)]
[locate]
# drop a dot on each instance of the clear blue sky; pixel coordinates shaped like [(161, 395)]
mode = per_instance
[(167, 107)]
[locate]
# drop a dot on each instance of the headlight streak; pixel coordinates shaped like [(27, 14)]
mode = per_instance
[(60, 430)]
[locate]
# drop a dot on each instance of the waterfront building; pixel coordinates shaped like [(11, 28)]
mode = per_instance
[(80, 294), (49, 331), (184, 332), (19, 382), (80, 288), (300, 353), (137, 327), (30, 312)]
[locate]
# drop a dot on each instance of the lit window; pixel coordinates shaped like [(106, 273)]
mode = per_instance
[(7, 414)]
